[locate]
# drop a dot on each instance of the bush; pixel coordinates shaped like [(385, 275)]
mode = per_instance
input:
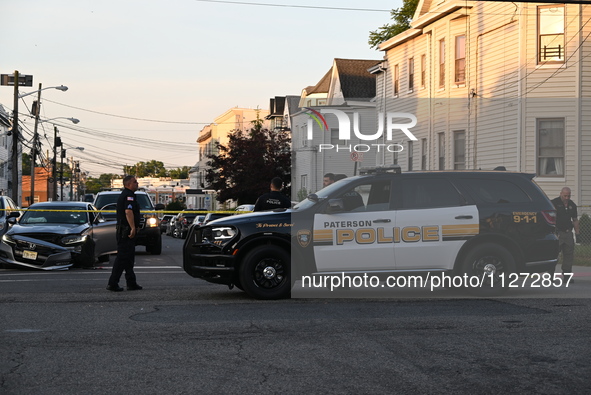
[(585, 229)]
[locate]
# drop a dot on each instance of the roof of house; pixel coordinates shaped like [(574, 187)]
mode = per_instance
[(356, 80)]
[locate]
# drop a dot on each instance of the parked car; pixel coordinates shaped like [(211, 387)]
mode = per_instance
[(184, 220), (245, 207), (164, 222), (199, 220), (7, 208), (149, 234), (171, 226), (58, 235)]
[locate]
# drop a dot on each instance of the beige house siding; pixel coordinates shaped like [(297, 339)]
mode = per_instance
[(506, 90)]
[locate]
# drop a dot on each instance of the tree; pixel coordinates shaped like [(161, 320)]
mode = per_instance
[(401, 17), (26, 163), (152, 168), (243, 169), (94, 185), (181, 172)]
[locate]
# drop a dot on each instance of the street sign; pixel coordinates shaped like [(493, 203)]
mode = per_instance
[(357, 156), (23, 80)]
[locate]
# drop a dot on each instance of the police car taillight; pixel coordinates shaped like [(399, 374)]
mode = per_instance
[(550, 216)]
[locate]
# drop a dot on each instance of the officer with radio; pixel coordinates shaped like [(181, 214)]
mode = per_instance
[(566, 221), (128, 222)]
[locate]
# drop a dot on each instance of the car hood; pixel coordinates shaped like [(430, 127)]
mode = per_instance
[(281, 215), (59, 229)]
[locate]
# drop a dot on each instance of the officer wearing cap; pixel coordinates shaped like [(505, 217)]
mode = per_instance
[(566, 221), (128, 222)]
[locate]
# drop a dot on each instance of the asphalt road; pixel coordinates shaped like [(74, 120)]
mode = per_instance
[(63, 333)]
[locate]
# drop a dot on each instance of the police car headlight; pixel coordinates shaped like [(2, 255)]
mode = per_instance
[(7, 238), (74, 239), (219, 235), (151, 222)]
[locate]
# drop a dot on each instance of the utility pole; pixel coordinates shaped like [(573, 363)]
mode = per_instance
[(34, 150), (57, 142), (62, 174), (15, 181)]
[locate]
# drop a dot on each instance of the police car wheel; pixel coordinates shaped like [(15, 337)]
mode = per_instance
[(488, 262), (265, 273)]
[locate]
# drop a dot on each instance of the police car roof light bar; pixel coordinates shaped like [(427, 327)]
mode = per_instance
[(396, 169)]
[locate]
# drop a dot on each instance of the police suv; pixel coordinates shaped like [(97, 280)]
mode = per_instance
[(384, 222)]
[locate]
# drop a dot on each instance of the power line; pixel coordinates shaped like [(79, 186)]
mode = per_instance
[(293, 6)]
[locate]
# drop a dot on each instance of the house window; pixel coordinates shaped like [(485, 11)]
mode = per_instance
[(304, 181), (441, 63), (411, 74), (459, 150), (396, 80), (423, 154), (334, 137), (550, 133), (551, 33), (441, 140), (304, 133), (460, 64), (423, 70), (410, 155)]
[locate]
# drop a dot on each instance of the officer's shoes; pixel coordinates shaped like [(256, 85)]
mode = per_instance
[(114, 288), (134, 287)]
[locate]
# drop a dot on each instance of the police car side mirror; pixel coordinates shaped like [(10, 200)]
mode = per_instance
[(335, 206), (11, 220)]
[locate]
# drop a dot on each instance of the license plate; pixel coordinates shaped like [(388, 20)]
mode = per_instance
[(29, 255)]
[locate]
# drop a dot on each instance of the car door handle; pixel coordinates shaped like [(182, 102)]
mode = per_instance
[(464, 217), (377, 221)]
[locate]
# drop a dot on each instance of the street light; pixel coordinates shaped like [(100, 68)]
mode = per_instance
[(35, 136), (62, 88)]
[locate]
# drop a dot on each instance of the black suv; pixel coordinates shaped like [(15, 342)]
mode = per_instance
[(384, 222), (149, 234)]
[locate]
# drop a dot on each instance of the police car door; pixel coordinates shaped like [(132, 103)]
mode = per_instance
[(359, 237), (432, 224)]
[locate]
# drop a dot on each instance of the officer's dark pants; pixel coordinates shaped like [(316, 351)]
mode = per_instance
[(124, 262)]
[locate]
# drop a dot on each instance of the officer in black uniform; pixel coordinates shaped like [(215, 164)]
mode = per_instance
[(128, 222), (274, 199), (566, 221)]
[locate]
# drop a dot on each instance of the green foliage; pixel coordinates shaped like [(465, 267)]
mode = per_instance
[(302, 194), (585, 229), (175, 205), (245, 166), (26, 164), (152, 168), (180, 172), (401, 17), (94, 185)]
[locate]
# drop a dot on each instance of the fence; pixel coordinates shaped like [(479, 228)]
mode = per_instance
[(583, 248)]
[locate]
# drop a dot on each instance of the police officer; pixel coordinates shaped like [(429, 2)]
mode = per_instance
[(128, 221), (274, 199), (566, 221)]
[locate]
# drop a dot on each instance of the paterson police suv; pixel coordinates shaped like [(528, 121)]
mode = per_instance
[(487, 224)]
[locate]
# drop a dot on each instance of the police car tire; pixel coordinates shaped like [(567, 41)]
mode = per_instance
[(265, 272), (480, 260)]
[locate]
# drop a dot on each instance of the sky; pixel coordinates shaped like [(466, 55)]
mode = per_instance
[(145, 76)]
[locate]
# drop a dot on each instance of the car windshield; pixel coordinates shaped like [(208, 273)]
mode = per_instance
[(111, 198), (321, 194), (55, 215)]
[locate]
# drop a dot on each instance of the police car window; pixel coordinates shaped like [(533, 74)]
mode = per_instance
[(496, 191), (429, 193), (374, 196)]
